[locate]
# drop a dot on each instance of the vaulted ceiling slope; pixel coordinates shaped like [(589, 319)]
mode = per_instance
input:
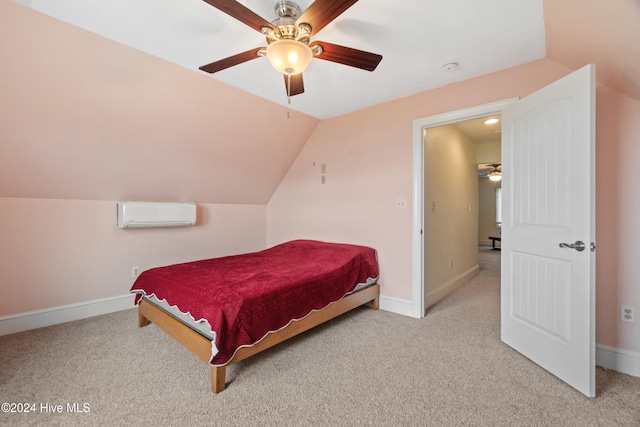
[(86, 117), (606, 33), (83, 117), (415, 37)]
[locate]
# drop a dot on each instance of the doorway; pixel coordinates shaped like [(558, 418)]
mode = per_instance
[(548, 299), (459, 201), (418, 243)]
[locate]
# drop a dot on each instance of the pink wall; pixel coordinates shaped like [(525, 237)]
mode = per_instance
[(599, 32), (58, 252), (618, 228), (83, 117), (85, 122), (369, 164)]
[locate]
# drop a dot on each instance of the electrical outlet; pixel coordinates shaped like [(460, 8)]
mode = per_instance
[(135, 271), (401, 203), (627, 314)]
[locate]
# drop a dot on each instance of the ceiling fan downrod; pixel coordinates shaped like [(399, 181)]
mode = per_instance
[(284, 26), (287, 9)]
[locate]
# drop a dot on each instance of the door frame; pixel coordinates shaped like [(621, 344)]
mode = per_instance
[(418, 238)]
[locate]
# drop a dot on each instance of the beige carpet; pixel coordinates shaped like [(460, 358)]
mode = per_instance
[(365, 368)]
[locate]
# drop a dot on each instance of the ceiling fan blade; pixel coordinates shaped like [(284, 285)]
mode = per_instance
[(322, 12), (348, 56), (241, 13), (231, 61), (296, 87)]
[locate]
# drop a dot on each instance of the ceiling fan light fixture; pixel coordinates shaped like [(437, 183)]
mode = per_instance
[(495, 175), (289, 57)]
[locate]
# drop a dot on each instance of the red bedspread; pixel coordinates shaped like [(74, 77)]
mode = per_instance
[(243, 297)]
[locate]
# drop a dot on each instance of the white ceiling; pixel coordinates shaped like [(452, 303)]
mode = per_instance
[(415, 37)]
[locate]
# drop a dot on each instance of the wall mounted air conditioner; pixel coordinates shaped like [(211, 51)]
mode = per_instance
[(155, 214)]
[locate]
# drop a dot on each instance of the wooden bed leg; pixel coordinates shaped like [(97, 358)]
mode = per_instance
[(218, 374), (375, 303), (142, 320)]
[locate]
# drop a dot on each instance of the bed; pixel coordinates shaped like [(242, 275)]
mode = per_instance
[(229, 308)]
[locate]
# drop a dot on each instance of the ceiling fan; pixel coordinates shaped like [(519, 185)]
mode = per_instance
[(288, 39), (495, 174)]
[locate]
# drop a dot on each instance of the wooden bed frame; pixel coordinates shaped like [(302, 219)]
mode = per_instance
[(201, 346)]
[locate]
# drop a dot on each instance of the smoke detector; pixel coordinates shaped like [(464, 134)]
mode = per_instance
[(451, 66)]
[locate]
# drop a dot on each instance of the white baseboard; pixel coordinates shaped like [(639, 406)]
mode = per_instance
[(398, 306), (617, 359), (450, 286), (407, 307), (13, 323)]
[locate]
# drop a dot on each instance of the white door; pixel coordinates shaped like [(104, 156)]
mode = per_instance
[(548, 190)]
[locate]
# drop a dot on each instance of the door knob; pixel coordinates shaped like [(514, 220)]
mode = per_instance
[(578, 245)]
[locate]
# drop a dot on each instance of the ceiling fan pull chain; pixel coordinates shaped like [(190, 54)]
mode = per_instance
[(289, 71)]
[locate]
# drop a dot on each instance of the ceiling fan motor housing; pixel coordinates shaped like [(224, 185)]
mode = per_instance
[(287, 13)]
